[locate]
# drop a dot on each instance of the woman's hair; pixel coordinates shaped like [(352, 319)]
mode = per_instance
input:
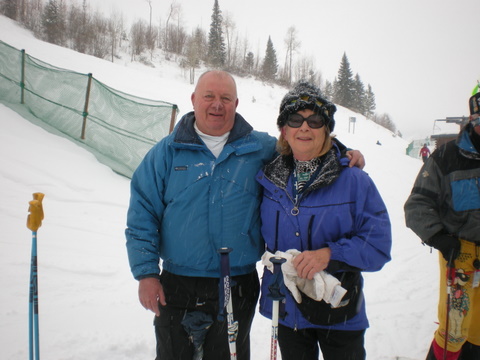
[(284, 148)]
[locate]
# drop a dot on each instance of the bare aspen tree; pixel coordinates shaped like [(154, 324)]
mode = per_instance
[(304, 69), (115, 30), (172, 15), (228, 28), (292, 44)]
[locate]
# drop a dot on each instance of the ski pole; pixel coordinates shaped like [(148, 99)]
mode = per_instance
[(277, 297), (34, 221), (450, 278), (226, 300)]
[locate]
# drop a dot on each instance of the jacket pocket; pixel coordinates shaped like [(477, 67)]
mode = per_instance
[(466, 194)]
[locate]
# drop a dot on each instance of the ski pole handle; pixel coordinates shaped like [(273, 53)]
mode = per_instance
[(225, 279), (277, 262), (277, 280), (224, 250), (34, 219)]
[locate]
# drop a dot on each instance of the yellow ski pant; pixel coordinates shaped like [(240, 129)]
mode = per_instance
[(464, 312)]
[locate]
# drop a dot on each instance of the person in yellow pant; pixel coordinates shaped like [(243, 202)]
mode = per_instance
[(444, 211), (464, 304)]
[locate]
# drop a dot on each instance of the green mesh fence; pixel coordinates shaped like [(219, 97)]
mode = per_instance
[(414, 147), (117, 128)]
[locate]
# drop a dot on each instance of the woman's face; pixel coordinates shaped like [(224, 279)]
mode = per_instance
[(306, 143)]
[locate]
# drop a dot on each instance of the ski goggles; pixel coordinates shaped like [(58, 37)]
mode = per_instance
[(308, 99), (315, 121), (474, 104)]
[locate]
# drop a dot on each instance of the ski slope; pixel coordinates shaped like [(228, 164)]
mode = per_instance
[(87, 296)]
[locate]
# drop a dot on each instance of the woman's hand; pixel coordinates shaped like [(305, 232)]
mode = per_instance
[(310, 262)]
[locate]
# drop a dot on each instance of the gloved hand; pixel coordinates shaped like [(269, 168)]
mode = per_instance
[(447, 244)]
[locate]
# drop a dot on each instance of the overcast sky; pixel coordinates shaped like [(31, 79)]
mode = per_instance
[(421, 57)]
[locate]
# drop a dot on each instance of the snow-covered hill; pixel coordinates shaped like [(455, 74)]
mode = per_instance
[(88, 298)]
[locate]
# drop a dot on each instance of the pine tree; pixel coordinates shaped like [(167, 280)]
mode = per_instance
[(358, 101), (54, 22), (344, 86), (328, 90), (216, 44), (270, 64), (249, 63), (370, 105)]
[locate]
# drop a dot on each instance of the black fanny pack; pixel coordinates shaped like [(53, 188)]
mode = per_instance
[(321, 313), (201, 294)]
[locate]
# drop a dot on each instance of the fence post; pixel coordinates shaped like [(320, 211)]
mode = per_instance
[(22, 79), (85, 109), (172, 118)]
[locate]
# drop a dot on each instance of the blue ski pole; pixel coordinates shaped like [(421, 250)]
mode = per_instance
[(277, 297), (34, 221), (226, 300)]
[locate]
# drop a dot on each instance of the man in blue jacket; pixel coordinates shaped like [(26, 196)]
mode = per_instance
[(195, 192)]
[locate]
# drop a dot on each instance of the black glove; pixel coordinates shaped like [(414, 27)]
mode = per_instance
[(447, 244)]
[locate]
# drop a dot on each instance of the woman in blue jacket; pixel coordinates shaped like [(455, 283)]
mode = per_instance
[(334, 216)]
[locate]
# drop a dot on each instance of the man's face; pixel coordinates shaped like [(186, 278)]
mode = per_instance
[(214, 103)]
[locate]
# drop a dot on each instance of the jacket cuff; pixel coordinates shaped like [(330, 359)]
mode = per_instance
[(140, 277)]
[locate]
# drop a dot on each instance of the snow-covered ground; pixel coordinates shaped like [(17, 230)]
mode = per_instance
[(87, 296)]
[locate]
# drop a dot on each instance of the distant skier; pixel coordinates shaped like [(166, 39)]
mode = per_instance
[(424, 153)]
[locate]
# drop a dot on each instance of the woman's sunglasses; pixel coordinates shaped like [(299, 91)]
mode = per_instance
[(315, 121)]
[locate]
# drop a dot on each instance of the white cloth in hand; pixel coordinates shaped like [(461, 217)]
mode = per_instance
[(323, 286)]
